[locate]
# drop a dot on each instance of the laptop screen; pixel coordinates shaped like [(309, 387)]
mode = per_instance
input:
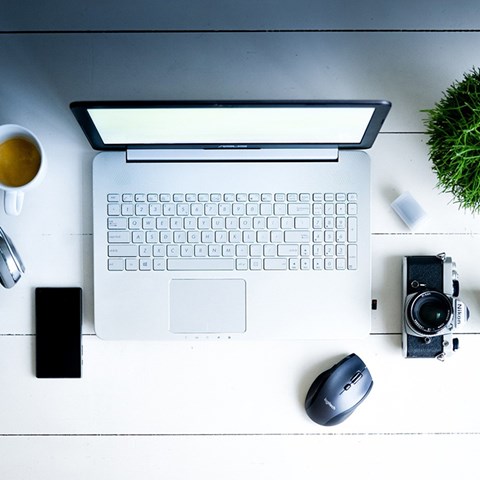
[(225, 124)]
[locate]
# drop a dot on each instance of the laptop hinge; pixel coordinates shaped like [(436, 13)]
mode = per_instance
[(225, 154)]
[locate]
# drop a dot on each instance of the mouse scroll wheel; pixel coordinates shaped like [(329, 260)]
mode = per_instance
[(356, 377)]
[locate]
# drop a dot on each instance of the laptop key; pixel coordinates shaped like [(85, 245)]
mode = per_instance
[(198, 264), (352, 229), (275, 263), (123, 251), (119, 237), (352, 261), (116, 264), (117, 223), (297, 236)]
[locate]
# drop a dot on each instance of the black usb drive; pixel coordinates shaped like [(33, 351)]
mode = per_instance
[(58, 319)]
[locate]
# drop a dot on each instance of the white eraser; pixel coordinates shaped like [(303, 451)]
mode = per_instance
[(408, 209)]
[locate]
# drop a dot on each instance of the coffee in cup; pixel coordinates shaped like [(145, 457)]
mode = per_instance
[(22, 165)]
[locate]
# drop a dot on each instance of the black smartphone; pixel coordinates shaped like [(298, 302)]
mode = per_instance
[(58, 320)]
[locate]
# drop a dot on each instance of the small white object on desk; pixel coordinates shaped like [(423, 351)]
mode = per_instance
[(408, 209)]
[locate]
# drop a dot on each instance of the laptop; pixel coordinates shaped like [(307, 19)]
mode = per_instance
[(231, 219)]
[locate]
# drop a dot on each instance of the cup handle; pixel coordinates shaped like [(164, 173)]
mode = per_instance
[(13, 202)]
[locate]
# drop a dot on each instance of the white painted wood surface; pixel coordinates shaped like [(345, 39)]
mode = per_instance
[(232, 410)]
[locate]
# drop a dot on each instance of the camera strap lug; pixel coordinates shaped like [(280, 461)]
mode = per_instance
[(441, 356)]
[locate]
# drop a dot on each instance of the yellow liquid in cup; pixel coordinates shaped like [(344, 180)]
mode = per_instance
[(19, 162)]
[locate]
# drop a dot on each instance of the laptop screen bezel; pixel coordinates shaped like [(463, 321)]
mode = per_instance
[(80, 110)]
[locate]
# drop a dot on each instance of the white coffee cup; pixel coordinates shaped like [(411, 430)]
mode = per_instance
[(22, 165)]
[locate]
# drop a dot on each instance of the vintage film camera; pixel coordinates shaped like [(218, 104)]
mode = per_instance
[(432, 309)]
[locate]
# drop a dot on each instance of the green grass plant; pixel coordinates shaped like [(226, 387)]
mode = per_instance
[(453, 126)]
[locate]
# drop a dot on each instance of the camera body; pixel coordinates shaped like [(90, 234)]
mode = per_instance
[(432, 309)]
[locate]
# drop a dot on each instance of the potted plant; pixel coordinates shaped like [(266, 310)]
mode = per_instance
[(453, 126)]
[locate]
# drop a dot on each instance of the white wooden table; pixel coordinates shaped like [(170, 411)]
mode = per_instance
[(234, 410)]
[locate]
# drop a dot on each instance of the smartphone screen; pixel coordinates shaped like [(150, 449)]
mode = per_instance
[(58, 319)]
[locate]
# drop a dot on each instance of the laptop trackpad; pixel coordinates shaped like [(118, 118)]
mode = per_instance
[(207, 306)]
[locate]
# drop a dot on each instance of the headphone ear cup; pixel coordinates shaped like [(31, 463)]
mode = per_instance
[(11, 265)]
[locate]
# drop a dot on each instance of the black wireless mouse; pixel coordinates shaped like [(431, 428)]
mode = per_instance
[(338, 391)]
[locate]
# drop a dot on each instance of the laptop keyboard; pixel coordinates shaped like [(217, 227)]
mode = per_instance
[(231, 231)]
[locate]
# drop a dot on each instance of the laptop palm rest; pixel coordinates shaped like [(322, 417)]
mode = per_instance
[(207, 306)]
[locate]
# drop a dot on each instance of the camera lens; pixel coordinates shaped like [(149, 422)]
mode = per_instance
[(430, 312)]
